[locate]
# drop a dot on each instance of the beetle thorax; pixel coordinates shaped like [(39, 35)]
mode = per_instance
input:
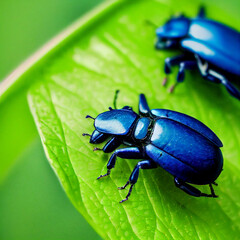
[(142, 128)]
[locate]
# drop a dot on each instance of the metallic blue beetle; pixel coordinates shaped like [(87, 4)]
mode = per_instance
[(212, 47), (180, 144)]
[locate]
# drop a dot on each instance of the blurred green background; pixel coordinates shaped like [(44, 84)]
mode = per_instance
[(32, 202)]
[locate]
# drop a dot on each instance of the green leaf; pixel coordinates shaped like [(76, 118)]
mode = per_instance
[(115, 51)]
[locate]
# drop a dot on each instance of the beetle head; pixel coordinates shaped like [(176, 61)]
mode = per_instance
[(115, 121), (170, 33)]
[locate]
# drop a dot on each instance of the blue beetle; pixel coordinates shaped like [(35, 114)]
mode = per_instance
[(178, 143), (208, 45)]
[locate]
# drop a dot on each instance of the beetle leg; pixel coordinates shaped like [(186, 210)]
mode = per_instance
[(97, 149), (108, 173), (170, 62), (192, 190), (190, 64), (171, 89), (218, 78), (123, 187), (145, 164), (129, 153), (112, 144), (203, 66), (97, 137), (214, 183), (165, 80), (187, 188), (128, 195), (231, 89), (185, 65), (212, 190)]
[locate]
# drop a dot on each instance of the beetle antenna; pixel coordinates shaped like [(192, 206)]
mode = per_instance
[(86, 134), (115, 99), (88, 116), (150, 23)]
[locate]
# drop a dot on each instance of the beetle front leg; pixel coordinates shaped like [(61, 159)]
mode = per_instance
[(111, 145), (145, 164), (191, 64), (212, 190), (129, 153), (192, 190), (173, 61), (96, 137)]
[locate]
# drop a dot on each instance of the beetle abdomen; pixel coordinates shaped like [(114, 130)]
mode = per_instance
[(186, 150)]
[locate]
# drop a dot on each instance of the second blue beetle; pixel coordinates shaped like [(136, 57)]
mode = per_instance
[(178, 143), (210, 46)]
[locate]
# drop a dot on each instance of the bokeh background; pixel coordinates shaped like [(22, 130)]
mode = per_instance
[(32, 202)]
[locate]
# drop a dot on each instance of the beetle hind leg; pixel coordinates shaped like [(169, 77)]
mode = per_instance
[(123, 187), (231, 89), (145, 164), (192, 190), (214, 183), (212, 191), (129, 153), (216, 77)]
